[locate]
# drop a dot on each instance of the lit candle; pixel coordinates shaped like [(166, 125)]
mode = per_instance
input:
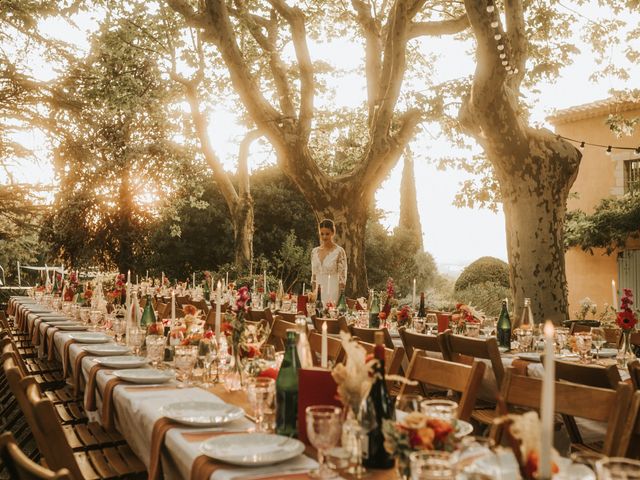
[(173, 307), (323, 351), (304, 287), (413, 298), (128, 276), (136, 311), (218, 308), (614, 294), (137, 279), (326, 294), (254, 286), (547, 404)]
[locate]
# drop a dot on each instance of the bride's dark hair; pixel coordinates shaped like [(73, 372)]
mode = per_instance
[(326, 223)]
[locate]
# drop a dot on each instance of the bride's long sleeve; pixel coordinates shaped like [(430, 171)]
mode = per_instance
[(342, 267)]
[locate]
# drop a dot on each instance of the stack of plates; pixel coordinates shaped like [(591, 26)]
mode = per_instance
[(202, 414), (144, 375), (107, 349), (122, 361), (90, 337)]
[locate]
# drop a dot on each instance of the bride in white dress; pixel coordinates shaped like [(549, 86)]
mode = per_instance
[(328, 264)]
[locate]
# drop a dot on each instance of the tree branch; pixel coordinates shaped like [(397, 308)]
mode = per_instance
[(517, 35), (373, 51), (193, 18), (434, 29), (244, 185)]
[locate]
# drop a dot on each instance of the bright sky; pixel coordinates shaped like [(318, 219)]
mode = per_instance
[(446, 228)]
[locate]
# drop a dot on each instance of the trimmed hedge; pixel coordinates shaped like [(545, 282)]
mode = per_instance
[(485, 269)]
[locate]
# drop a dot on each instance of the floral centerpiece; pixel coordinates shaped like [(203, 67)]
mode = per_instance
[(523, 434), (466, 314), (72, 287), (403, 316), (416, 432), (118, 294), (586, 307), (626, 319)]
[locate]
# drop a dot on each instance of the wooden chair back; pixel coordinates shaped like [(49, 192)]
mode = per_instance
[(392, 357), (8, 347), (278, 334), (577, 328), (287, 316), (334, 325), (183, 300), (456, 347), (634, 372), (592, 403), (21, 467), (200, 305), (161, 310), (368, 335), (335, 351), (591, 375), (418, 341), (462, 379)]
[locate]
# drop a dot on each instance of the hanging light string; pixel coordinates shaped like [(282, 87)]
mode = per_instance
[(609, 148), (498, 36)]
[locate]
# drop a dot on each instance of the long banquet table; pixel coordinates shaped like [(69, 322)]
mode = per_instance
[(137, 409)]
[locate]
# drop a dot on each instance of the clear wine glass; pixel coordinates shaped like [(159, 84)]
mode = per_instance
[(136, 339), (207, 352), (431, 323), (409, 402), (598, 339), (583, 344), (488, 326), (184, 359), (617, 468), (324, 426), (261, 392)]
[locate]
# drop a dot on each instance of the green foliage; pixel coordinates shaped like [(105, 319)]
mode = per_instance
[(613, 221), (485, 269), (485, 296)]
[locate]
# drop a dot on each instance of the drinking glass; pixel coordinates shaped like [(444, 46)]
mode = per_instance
[(583, 344), (84, 314), (431, 465), (136, 339), (409, 402), (324, 426), (598, 339), (66, 307), (562, 334), (419, 325), (268, 355), (473, 330), (618, 468), (261, 392), (183, 360), (95, 316), (431, 323), (445, 410), (118, 325), (524, 337), (207, 353), (488, 326), (155, 349)]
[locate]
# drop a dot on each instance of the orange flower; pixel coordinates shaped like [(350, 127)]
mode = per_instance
[(189, 310), (533, 462), (441, 429)]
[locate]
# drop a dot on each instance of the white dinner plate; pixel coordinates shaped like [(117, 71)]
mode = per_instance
[(57, 316), (90, 337), (504, 465), (607, 352), (107, 349), (252, 449), (201, 414), (57, 323), (529, 356), (123, 361), (74, 327), (143, 375), (463, 429)]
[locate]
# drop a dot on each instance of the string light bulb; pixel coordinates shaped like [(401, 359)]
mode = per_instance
[(500, 46), (497, 36), (609, 150), (494, 24), (503, 56), (490, 7)]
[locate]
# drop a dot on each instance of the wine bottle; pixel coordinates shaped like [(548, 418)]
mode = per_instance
[(503, 329), (287, 389), (206, 291), (378, 407), (342, 304), (148, 316), (422, 311), (303, 347), (526, 320), (55, 288), (319, 304), (374, 312)]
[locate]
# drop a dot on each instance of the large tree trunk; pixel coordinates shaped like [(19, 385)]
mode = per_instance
[(534, 202), (124, 254), (242, 217)]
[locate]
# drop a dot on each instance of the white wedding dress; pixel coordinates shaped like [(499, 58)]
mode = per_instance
[(329, 273)]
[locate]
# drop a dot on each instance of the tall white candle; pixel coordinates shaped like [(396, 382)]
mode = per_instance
[(227, 280), (254, 286), (324, 348), (326, 294), (128, 276), (614, 294), (547, 406), (218, 309), (147, 276), (137, 279), (162, 280), (173, 307), (304, 287), (264, 282), (413, 298), (136, 311), (194, 280), (127, 313), (19, 279)]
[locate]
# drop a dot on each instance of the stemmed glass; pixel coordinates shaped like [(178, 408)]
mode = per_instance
[(561, 338), (136, 339), (598, 340), (84, 314), (409, 402), (118, 325), (184, 359), (207, 353), (95, 316), (324, 426), (431, 323), (583, 343), (155, 349), (261, 392), (618, 468)]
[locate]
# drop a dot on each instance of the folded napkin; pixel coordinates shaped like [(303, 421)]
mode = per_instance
[(204, 466), (77, 372), (108, 410), (65, 357), (90, 397), (51, 350), (35, 336), (158, 434)]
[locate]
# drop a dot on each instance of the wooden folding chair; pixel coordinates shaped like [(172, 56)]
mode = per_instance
[(335, 351), (21, 467), (590, 375), (629, 445), (460, 349), (200, 305), (393, 358), (634, 371), (420, 341), (581, 401), (287, 316), (278, 334), (334, 326), (112, 462), (462, 379), (368, 335)]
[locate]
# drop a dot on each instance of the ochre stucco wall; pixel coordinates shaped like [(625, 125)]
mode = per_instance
[(590, 275)]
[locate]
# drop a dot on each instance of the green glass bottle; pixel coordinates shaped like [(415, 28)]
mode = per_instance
[(374, 312), (422, 311), (319, 303), (207, 290), (148, 316), (503, 329), (80, 294), (55, 290), (287, 389), (342, 304), (376, 408)]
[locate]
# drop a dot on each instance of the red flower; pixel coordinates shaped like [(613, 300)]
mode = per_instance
[(189, 310), (626, 319), (209, 334), (226, 328), (441, 429), (272, 296), (269, 373), (242, 298), (382, 316)]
